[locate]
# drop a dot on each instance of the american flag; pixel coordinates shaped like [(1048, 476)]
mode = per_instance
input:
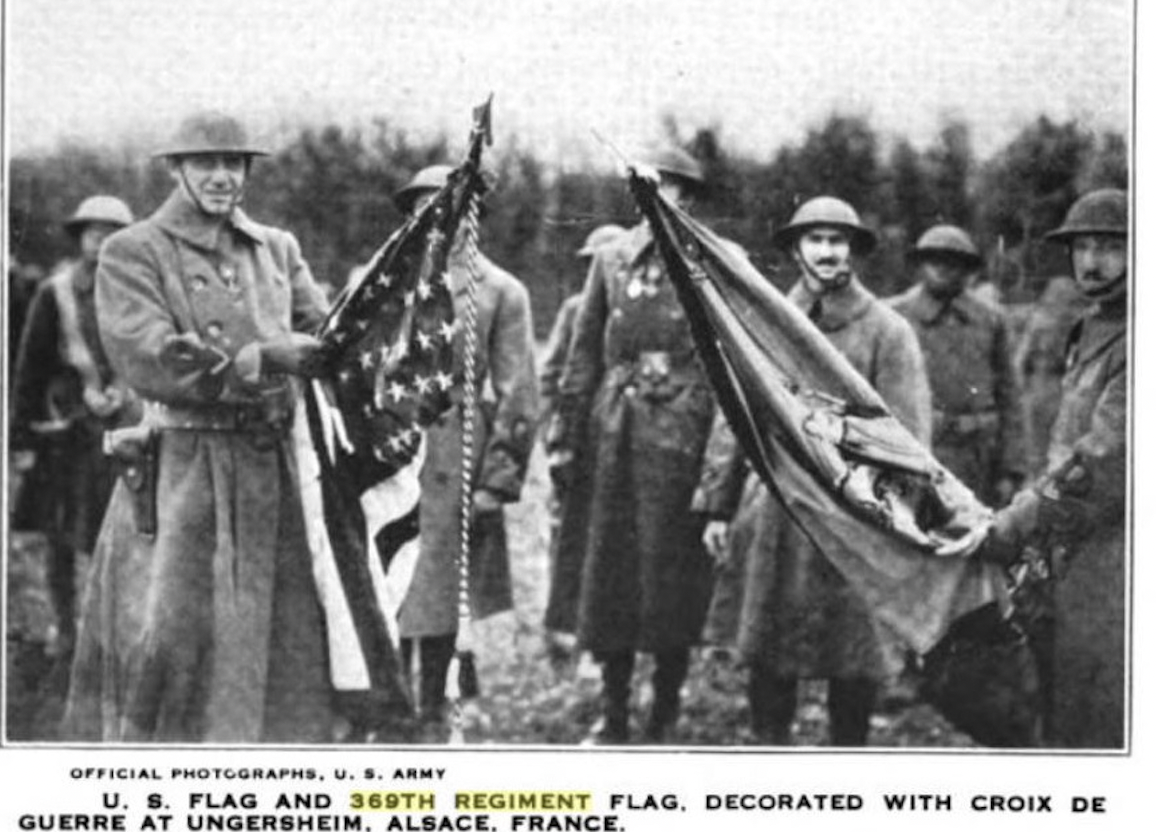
[(388, 343)]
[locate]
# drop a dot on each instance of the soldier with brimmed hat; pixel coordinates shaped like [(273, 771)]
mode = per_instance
[(636, 407), (1074, 518), (797, 617), (66, 395), (202, 621), (976, 431)]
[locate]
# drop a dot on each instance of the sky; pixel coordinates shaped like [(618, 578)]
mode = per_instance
[(764, 71)]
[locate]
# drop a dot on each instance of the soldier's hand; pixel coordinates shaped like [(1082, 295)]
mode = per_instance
[(486, 502), (187, 353), (102, 403), (715, 537), (296, 354)]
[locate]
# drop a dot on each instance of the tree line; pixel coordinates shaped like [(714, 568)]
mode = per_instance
[(332, 186)]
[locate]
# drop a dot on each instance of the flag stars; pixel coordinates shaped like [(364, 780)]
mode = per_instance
[(424, 340), (444, 381), (423, 384), (385, 281), (396, 391), (366, 360), (447, 329), (409, 298)]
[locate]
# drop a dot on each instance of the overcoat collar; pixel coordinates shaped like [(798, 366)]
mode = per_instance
[(182, 219), (926, 308), (838, 308)]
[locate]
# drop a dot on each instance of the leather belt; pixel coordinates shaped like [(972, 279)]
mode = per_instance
[(224, 418)]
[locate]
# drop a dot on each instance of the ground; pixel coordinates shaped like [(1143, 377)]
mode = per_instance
[(525, 699)]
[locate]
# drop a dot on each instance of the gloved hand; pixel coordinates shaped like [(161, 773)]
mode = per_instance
[(715, 538), (486, 502), (103, 403), (297, 354), (187, 353), (1011, 529), (1065, 520)]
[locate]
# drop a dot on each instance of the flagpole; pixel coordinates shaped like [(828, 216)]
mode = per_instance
[(461, 681)]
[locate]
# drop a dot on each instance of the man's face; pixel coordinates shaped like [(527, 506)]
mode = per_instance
[(214, 182), (944, 276), (91, 237), (1100, 265), (824, 255)]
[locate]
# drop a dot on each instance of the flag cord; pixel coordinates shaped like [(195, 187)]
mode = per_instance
[(463, 658)]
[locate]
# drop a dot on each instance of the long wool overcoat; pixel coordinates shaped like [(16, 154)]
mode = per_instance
[(977, 425), (209, 629), (781, 600), (1087, 473), (636, 408), (503, 439)]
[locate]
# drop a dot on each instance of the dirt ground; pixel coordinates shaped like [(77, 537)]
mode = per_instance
[(525, 699)]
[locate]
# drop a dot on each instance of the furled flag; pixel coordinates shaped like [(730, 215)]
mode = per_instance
[(388, 346), (869, 496)]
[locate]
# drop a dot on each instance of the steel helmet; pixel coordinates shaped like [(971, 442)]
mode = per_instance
[(432, 178), (599, 237), (101, 208), (210, 132), (1104, 211), (826, 210), (950, 240), (677, 162)]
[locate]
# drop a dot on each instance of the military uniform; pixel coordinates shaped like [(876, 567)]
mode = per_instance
[(636, 407), (976, 424), (566, 552), (66, 395), (209, 628), (1076, 512), (503, 438)]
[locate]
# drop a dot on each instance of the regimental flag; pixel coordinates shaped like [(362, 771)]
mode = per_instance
[(870, 497), (388, 343)]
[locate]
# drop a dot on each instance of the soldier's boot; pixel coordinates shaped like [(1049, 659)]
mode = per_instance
[(670, 669), (849, 704), (62, 589), (434, 658), (613, 727), (773, 700)]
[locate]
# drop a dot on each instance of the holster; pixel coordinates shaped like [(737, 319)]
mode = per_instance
[(134, 452)]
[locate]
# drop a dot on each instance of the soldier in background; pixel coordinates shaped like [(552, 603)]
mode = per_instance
[(1075, 514), (503, 439), (636, 400), (976, 417), (66, 395), (798, 618), (572, 497)]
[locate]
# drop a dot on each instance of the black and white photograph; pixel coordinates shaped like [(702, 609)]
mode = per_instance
[(704, 393)]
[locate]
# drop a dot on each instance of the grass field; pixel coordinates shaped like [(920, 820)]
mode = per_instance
[(525, 699)]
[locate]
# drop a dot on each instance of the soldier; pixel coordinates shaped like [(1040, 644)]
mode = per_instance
[(1076, 512), (976, 426), (566, 554), (503, 438), (202, 621), (798, 617), (66, 397), (636, 402)]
